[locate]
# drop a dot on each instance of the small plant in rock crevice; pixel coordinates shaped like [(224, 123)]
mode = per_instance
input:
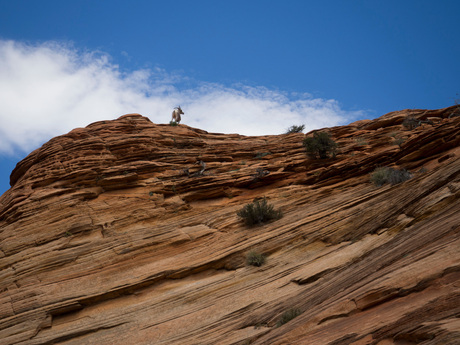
[(456, 112), (410, 122), (399, 142), (259, 211), (288, 316), (422, 170), (384, 175), (260, 155), (361, 141), (254, 258)]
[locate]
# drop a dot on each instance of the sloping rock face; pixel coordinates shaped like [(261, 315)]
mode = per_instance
[(126, 232)]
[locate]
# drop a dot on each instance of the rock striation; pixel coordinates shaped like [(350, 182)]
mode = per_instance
[(125, 232)]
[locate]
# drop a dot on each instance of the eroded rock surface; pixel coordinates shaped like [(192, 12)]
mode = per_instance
[(125, 232)]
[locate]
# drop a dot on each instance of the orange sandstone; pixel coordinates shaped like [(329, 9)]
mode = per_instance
[(113, 234)]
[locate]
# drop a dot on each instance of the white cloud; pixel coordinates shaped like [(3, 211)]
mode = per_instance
[(50, 88)]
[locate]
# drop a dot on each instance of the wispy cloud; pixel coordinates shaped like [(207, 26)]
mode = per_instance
[(49, 88)]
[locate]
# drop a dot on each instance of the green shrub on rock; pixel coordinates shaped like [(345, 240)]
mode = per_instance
[(255, 259), (384, 175), (295, 129), (320, 145), (259, 211), (410, 122), (288, 316)]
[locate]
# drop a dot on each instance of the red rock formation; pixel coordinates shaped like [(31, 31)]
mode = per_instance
[(113, 234)]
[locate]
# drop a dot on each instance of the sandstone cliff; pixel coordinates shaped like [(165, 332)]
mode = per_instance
[(113, 234)]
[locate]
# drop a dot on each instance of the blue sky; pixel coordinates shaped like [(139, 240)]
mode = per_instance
[(253, 67)]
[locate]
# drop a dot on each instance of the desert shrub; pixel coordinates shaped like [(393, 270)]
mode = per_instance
[(384, 175), (295, 129), (422, 170), (288, 316), (456, 111), (410, 122), (260, 155), (320, 145), (173, 123), (259, 211), (254, 258), (399, 141), (361, 141), (379, 176), (399, 176)]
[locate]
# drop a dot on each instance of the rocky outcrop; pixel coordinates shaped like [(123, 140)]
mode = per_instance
[(125, 232)]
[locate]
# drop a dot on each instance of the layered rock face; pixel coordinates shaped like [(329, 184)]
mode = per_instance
[(126, 232)]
